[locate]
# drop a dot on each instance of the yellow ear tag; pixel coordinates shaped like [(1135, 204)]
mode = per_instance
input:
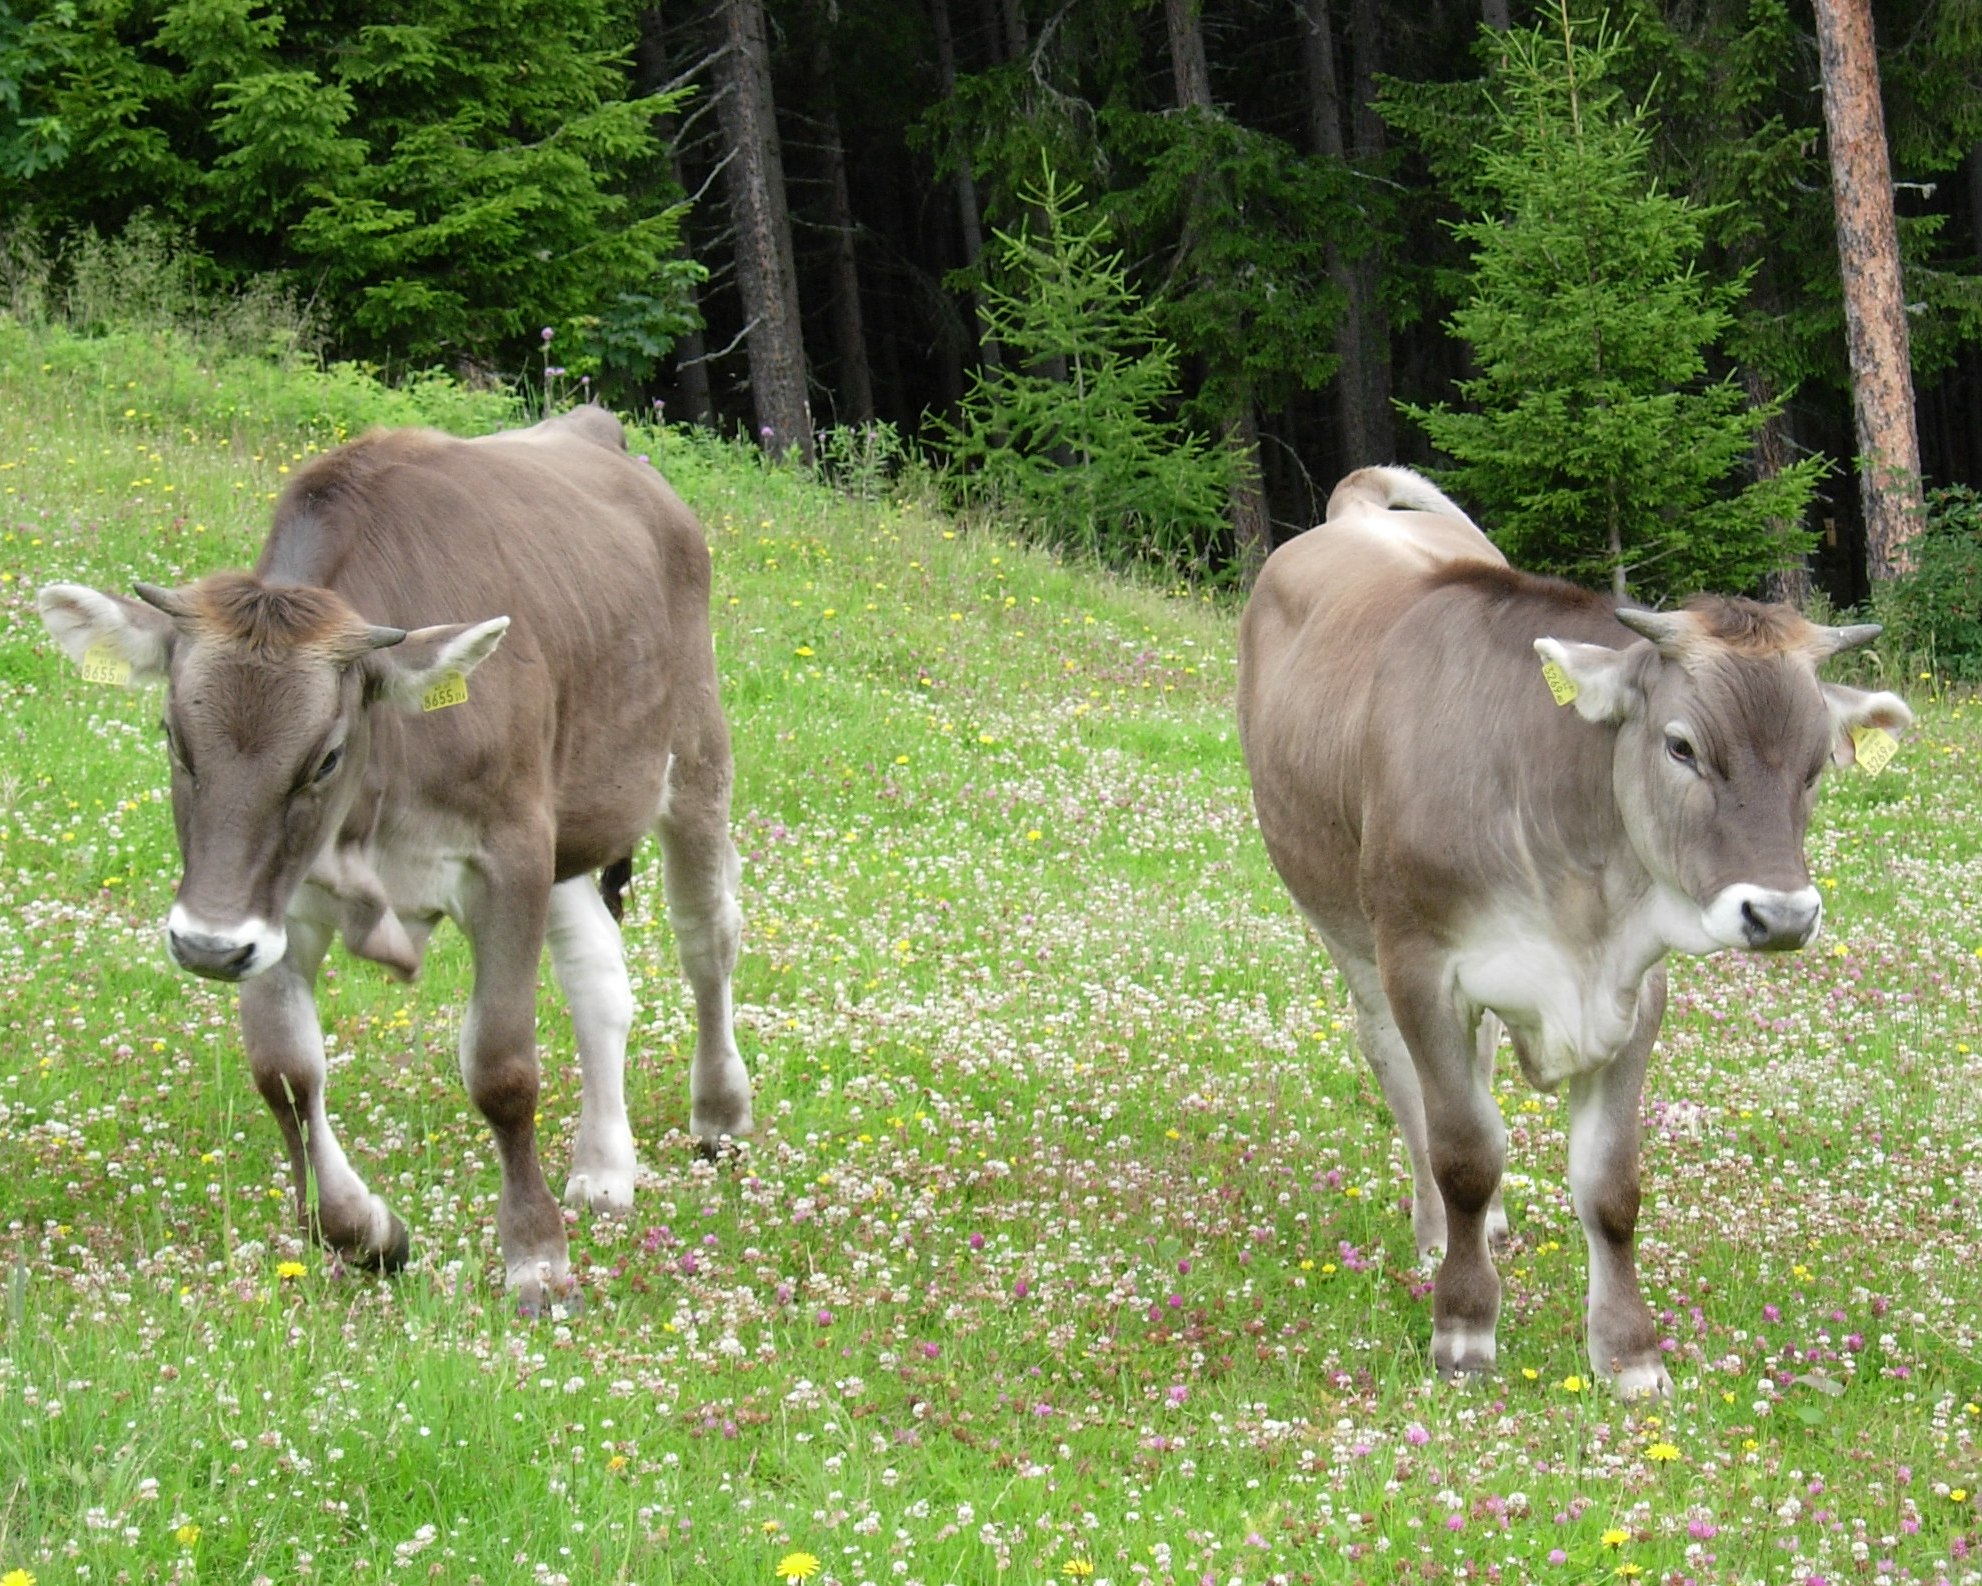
[(1560, 683), (1876, 748), (450, 690), (102, 664)]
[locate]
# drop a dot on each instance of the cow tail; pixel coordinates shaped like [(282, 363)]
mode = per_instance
[(614, 883)]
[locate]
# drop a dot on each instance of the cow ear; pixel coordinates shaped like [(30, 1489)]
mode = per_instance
[(1607, 683), (404, 673), (111, 637), (1854, 711)]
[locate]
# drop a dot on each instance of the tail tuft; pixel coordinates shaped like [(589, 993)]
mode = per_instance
[(1387, 487)]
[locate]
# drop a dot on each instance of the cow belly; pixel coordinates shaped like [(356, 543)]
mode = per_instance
[(1568, 1011)]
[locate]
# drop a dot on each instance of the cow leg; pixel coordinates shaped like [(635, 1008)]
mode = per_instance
[(700, 872), (1390, 1060), (1603, 1184), (504, 917), (590, 963), (284, 1040), (1467, 1143)]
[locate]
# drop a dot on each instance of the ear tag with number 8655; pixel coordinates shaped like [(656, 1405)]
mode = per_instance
[(450, 690)]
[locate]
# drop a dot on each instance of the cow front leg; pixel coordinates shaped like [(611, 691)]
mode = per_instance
[(1467, 1144), (1603, 1185), (284, 1041), (590, 962), (700, 871), (505, 922)]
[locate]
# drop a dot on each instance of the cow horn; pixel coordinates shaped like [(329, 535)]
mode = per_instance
[(163, 600), (384, 638), (1664, 628), (1832, 641)]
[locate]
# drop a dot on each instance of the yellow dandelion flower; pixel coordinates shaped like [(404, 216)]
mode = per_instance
[(1530, 1373), (1629, 1570), (1572, 1384), (286, 1270), (1662, 1452), (1615, 1538), (1959, 1495), (617, 1462), (1077, 1568), (16, 1577), (796, 1567), (188, 1535)]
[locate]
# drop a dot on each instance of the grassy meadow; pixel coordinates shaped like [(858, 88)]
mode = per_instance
[(1071, 1245)]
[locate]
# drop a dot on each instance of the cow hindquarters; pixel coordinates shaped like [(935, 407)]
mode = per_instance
[(590, 962), (504, 916), (700, 873), (284, 1041), (1467, 1145), (1603, 1184)]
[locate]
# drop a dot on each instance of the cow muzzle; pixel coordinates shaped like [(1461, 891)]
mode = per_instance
[(1763, 919), (234, 952)]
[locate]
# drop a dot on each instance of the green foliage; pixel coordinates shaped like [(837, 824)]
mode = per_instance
[(1245, 221), (1595, 441), (1933, 614), (1087, 460), (443, 183)]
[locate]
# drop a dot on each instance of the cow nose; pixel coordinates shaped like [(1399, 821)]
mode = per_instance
[(216, 957), (1780, 921)]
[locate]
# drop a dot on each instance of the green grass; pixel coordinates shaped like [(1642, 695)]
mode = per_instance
[(1072, 1232)]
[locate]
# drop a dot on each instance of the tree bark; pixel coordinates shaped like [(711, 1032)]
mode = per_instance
[(1774, 451), (1876, 332), (1252, 531), (970, 218), (1495, 14), (765, 273), (693, 404), (856, 381), (1373, 378)]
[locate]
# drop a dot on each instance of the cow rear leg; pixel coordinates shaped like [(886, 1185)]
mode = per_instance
[(1467, 1143), (1603, 1185), (700, 872), (590, 963), (505, 921), (284, 1041)]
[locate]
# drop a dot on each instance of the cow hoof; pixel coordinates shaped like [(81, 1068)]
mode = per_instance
[(1463, 1352), (537, 1299), (603, 1192), (1648, 1381), (718, 1148), (390, 1257)]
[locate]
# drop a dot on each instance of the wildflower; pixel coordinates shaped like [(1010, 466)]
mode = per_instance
[(1959, 1495), (285, 1270), (545, 333), (796, 1567), (1662, 1452), (1627, 1570), (1615, 1538), (1557, 1556), (16, 1577), (188, 1535), (1572, 1384), (1077, 1568), (617, 1462)]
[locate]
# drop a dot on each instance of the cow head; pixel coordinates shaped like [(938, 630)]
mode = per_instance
[(1723, 729), (268, 692)]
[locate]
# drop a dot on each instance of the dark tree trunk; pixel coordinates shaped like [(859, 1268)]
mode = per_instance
[(1775, 450), (692, 403), (1876, 332), (970, 221), (1372, 379), (765, 273), (1494, 14), (1325, 139), (1252, 531), (856, 384)]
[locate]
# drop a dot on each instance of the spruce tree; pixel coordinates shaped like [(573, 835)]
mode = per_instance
[(1595, 442), (1094, 461)]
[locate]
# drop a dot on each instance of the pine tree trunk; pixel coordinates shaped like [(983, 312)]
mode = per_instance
[(970, 220), (1494, 14), (1372, 377), (856, 382), (1252, 534), (1876, 332), (650, 75), (764, 270), (1774, 451)]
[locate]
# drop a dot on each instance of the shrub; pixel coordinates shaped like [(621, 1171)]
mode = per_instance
[(1933, 614)]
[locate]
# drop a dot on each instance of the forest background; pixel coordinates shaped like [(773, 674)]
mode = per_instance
[(802, 218)]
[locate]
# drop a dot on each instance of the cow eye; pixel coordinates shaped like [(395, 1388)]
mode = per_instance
[(327, 767), (1680, 747), (175, 748)]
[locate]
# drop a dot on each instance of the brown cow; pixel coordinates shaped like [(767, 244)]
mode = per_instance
[(313, 794), (1464, 847)]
